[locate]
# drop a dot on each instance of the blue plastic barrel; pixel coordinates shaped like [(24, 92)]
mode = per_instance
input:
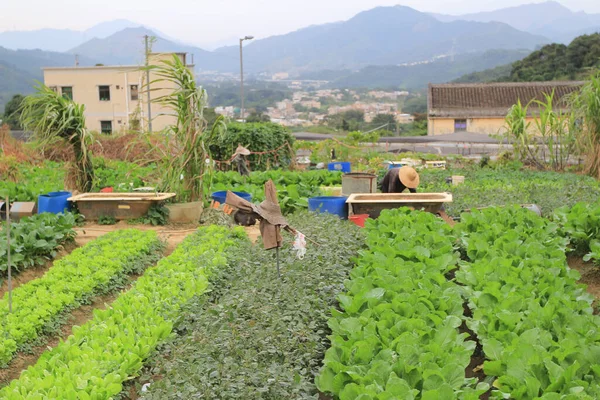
[(393, 165), (329, 204), (221, 196), (343, 166), (54, 202)]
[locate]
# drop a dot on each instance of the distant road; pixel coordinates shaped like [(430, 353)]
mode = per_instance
[(457, 143), (463, 143), (461, 137)]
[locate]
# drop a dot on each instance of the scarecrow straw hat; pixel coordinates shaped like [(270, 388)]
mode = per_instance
[(241, 150), (409, 177)]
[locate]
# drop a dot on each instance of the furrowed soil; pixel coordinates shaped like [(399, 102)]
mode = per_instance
[(172, 235), (590, 275)]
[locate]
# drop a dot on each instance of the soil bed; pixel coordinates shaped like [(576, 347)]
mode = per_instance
[(590, 276)]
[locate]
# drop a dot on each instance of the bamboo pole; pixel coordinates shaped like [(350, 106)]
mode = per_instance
[(8, 255)]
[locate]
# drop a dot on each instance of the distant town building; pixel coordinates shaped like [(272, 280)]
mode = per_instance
[(311, 104), (115, 97), (379, 94), (279, 76), (482, 108), (369, 109), (225, 111), (404, 118)]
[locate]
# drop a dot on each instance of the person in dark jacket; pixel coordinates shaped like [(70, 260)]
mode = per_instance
[(397, 180)]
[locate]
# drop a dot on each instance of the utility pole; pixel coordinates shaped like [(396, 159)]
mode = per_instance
[(8, 255), (146, 38), (77, 60), (242, 75)]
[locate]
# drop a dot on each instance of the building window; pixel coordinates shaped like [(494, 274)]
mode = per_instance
[(133, 89), (104, 92), (54, 89), (460, 125), (106, 127), (67, 91)]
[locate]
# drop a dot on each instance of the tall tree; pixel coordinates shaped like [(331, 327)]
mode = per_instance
[(382, 119), (12, 112)]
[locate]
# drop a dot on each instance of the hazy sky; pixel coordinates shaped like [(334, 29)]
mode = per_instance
[(216, 21)]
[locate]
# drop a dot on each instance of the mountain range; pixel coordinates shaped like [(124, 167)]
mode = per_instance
[(549, 19), (381, 36), (126, 47), (63, 40), (406, 46), (415, 77)]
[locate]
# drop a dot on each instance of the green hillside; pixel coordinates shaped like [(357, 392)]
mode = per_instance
[(13, 81), (418, 76), (559, 62), (19, 69), (552, 62)]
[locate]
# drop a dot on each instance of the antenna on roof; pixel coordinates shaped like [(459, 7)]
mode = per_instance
[(77, 60)]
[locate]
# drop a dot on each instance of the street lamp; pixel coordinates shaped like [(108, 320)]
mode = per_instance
[(242, 74)]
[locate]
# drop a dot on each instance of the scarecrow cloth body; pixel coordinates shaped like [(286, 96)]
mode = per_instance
[(239, 159), (269, 213)]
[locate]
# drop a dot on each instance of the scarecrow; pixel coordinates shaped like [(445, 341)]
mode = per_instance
[(268, 213), (239, 159)]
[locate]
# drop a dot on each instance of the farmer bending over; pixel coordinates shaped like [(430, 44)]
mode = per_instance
[(397, 180)]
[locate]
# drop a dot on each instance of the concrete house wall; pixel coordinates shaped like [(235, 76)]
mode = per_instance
[(122, 109), (484, 106)]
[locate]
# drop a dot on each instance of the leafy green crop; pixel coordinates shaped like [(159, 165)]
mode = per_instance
[(293, 188), (122, 176), (35, 240), (101, 355), (258, 336), (96, 268), (496, 187), (33, 181), (535, 323), (398, 336), (581, 225)]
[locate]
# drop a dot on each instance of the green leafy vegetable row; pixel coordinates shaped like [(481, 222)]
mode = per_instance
[(94, 362), (313, 178), (35, 240), (96, 268), (535, 323), (259, 336), (398, 336), (29, 181), (505, 186), (293, 188), (581, 225)]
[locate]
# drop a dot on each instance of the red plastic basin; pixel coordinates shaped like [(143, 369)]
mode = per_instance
[(359, 219)]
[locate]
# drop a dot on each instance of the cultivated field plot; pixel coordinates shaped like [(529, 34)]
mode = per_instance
[(410, 307)]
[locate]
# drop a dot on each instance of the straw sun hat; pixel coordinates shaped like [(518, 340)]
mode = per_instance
[(409, 177), (241, 150)]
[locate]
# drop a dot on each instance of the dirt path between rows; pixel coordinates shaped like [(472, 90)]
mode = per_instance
[(590, 275), (171, 234)]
